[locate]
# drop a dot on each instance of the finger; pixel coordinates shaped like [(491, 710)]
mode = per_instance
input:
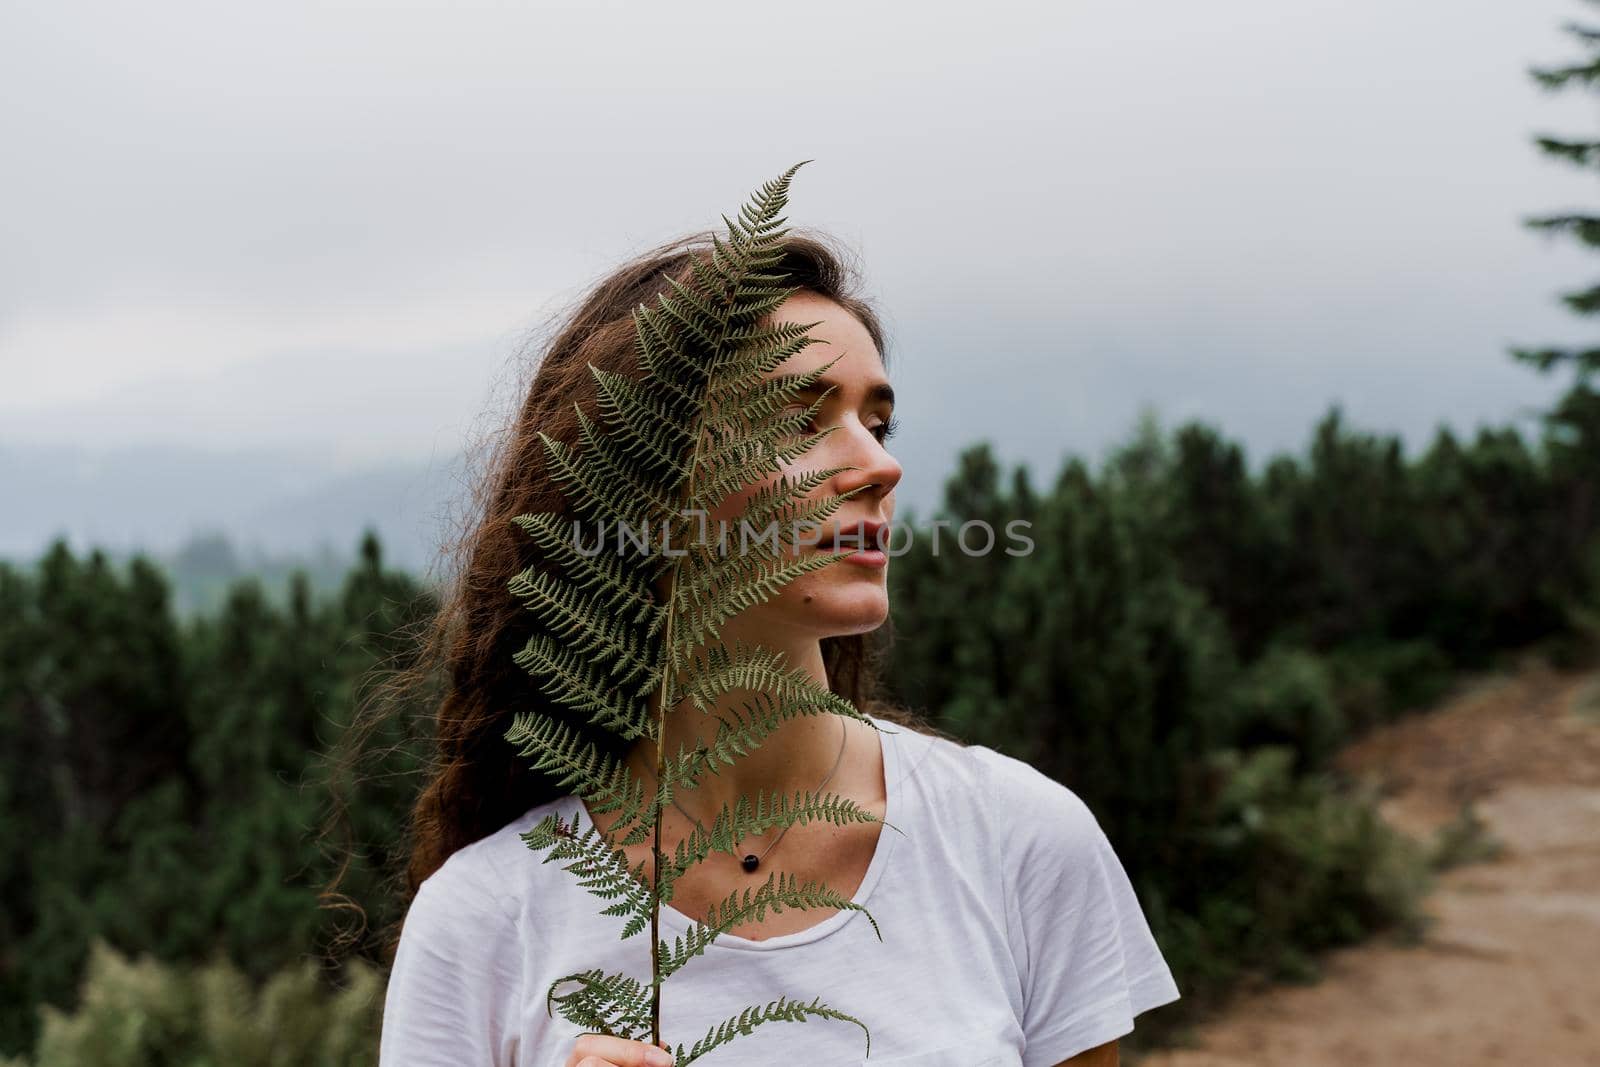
[(621, 1052)]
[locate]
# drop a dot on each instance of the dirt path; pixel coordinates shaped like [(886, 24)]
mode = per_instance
[(1509, 973)]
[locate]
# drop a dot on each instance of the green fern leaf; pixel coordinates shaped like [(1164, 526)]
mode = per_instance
[(780, 1010), (619, 632), (612, 1004), (780, 890), (750, 820)]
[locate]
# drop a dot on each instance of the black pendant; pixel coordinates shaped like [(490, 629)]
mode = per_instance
[(749, 862)]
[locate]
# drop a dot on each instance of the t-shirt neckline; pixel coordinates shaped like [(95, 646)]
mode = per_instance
[(676, 921)]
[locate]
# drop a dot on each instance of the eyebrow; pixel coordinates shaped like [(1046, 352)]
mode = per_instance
[(882, 393)]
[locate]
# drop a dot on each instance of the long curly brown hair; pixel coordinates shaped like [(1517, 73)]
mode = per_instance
[(477, 783)]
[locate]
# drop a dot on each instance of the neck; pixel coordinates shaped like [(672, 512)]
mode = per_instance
[(793, 758)]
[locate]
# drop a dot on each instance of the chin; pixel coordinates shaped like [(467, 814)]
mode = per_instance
[(840, 613)]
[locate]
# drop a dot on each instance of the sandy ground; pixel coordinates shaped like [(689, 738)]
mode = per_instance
[(1509, 971)]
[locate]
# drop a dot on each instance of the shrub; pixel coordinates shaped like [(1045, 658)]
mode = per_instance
[(1294, 865), (141, 1013), (1463, 840), (1376, 683), (1286, 698)]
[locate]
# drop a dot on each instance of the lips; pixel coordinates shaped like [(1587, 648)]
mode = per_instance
[(859, 535)]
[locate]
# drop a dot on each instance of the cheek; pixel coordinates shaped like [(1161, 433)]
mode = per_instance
[(733, 506)]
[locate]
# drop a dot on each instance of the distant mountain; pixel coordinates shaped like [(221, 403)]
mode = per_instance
[(277, 502), (270, 508)]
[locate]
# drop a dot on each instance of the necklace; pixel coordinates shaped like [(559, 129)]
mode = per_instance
[(752, 861)]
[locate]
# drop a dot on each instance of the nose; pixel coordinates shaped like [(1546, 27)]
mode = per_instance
[(875, 467)]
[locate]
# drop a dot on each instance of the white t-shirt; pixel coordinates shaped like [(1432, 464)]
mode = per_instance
[(1011, 936)]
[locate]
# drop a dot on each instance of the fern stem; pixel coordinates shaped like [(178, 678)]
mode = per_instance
[(661, 725), (655, 843)]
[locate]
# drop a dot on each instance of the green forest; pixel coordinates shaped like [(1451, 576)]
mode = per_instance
[(1185, 646)]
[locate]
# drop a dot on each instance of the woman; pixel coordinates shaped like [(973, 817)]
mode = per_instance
[(1010, 934)]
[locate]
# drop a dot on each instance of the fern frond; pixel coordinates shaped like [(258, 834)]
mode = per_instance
[(731, 465), (655, 425), (613, 463), (618, 640), (584, 622), (769, 442), (558, 543), (601, 869), (769, 812), (726, 670), (561, 752), (752, 396), (612, 1004), (748, 376), (666, 367), (781, 889), (756, 582), (579, 683), (780, 1010), (785, 501), (592, 494), (742, 735)]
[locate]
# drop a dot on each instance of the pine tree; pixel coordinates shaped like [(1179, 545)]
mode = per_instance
[(624, 637), (1582, 227), (1572, 426)]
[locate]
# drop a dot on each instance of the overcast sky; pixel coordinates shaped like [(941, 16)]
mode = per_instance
[(329, 226)]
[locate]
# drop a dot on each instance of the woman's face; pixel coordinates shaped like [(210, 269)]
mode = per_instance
[(848, 596)]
